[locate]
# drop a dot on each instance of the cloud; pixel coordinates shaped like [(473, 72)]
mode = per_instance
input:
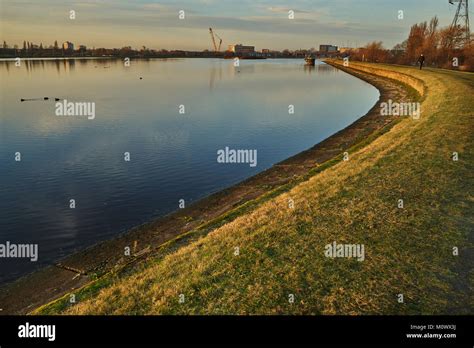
[(280, 9), (159, 7), (115, 23)]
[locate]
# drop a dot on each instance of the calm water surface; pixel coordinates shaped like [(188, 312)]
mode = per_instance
[(173, 155)]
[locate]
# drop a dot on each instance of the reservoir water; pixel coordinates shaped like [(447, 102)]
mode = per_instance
[(172, 122)]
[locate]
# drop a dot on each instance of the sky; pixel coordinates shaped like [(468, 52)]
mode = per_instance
[(264, 24)]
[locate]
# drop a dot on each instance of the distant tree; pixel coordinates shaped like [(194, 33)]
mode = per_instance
[(449, 39), (415, 42), (5, 44), (56, 47), (430, 41), (24, 45), (400, 46), (439, 46), (398, 53), (468, 53), (375, 52)]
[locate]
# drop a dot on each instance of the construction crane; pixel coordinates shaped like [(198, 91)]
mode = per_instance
[(217, 48), (461, 19)]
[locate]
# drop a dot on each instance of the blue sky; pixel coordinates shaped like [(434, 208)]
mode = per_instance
[(265, 24)]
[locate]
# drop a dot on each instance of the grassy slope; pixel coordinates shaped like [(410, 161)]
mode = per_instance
[(408, 250)]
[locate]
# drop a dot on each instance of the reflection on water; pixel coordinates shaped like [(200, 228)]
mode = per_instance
[(173, 155)]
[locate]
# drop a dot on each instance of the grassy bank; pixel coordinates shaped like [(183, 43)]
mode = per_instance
[(281, 242)]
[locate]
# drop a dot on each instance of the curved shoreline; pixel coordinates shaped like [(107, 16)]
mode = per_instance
[(77, 270)]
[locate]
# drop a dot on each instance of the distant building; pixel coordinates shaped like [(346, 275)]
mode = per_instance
[(345, 49), (265, 50), (327, 48), (82, 48), (241, 49), (68, 46)]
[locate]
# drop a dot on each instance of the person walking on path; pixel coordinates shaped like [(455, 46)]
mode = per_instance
[(421, 60)]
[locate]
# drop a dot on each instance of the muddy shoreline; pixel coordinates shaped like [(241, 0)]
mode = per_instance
[(33, 290)]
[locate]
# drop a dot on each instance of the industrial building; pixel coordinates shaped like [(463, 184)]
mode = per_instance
[(345, 49), (68, 46), (241, 49), (327, 49)]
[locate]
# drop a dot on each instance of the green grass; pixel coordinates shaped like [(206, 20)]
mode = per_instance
[(407, 251)]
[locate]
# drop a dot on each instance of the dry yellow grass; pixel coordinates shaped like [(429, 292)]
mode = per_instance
[(408, 251)]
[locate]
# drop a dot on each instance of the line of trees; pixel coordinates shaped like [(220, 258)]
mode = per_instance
[(29, 46), (442, 48), (30, 49), (37, 51)]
